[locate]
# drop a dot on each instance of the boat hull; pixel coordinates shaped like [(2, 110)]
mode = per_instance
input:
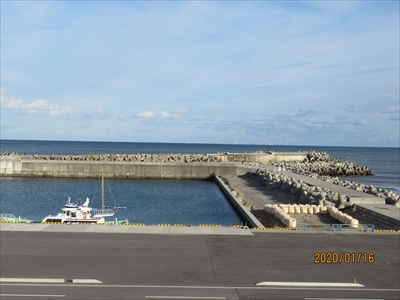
[(85, 221)]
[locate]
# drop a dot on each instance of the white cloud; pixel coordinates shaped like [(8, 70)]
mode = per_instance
[(40, 106), (146, 114), (174, 114), (392, 109), (167, 115), (226, 62)]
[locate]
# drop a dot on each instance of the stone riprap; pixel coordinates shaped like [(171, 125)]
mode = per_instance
[(389, 196), (138, 157), (306, 194), (322, 163), (301, 192), (263, 157), (318, 165)]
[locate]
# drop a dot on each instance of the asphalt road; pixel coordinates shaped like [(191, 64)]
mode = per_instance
[(141, 266)]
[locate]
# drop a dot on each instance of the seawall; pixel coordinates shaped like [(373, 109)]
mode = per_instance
[(139, 165), (246, 215), (118, 169), (263, 157)]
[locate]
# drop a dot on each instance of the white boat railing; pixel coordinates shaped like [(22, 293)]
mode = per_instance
[(106, 212), (7, 216), (11, 218)]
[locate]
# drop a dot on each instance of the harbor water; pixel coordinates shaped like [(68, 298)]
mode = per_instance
[(384, 162), (146, 201), (162, 201)]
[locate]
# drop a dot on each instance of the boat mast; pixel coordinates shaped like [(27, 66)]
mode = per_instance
[(102, 192)]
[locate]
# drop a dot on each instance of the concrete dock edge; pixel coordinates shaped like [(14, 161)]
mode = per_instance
[(248, 217)]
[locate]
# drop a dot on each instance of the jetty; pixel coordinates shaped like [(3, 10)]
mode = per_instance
[(264, 260), (146, 166), (264, 167)]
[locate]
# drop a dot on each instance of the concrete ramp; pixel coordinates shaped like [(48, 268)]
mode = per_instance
[(356, 197), (383, 213)]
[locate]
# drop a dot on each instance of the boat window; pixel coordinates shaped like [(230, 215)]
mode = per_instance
[(73, 214), (68, 213)]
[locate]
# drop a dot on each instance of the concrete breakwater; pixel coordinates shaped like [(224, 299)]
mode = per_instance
[(142, 165), (389, 196), (311, 194), (263, 157), (238, 205), (257, 157), (138, 157), (303, 193), (300, 162), (322, 163), (15, 167)]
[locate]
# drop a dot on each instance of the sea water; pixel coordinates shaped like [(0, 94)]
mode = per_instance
[(163, 201), (384, 162), (146, 201)]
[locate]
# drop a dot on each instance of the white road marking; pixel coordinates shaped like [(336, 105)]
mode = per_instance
[(86, 281), (48, 280), (309, 284), (41, 280), (29, 295), (201, 287)]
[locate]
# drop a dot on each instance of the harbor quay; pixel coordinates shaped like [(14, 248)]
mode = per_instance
[(231, 171), (119, 169), (265, 260), (162, 166)]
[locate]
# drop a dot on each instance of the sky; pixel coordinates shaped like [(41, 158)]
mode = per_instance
[(323, 73)]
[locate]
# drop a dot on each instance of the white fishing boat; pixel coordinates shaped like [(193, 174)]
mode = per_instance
[(83, 214)]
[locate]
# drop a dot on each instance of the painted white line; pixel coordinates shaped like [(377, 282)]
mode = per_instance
[(86, 281), (29, 295), (202, 287), (41, 280), (309, 284), (182, 297)]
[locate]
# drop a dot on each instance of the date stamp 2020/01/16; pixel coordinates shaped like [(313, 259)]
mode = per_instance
[(344, 257)]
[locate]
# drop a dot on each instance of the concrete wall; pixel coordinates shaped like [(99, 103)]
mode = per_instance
[(246, 215), (263, 157), (10, 166), (118, 169), (385, 214)]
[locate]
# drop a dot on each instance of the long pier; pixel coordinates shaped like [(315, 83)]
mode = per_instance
[(229, 166), (118, 169)]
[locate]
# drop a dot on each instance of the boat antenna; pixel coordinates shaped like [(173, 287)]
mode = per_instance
[(116, 204)]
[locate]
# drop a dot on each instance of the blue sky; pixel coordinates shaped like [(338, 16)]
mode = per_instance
[(251, 72)]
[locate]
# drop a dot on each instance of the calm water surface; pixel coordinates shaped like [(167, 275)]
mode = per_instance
[(384, 162), (147, 201)]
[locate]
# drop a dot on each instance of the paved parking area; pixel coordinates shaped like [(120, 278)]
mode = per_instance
[(139, 266)]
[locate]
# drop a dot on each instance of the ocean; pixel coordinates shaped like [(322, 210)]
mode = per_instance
[(158, 201), (384, 162)]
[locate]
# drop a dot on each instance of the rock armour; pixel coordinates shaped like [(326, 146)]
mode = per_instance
[(138, 157), (306, 194), (322, 163)]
